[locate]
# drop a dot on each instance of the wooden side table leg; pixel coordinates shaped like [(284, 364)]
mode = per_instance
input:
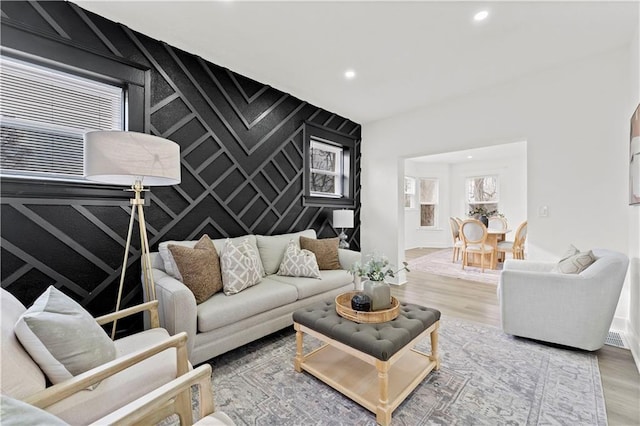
[(297, 364), (383, 412), (434, 346)]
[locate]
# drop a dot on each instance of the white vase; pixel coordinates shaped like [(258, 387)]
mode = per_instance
[(357, 283), (380, 294)]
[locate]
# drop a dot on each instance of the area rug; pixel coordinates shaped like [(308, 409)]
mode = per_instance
[(486, 378), (439, 263)]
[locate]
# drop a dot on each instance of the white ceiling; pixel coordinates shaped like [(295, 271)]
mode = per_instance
[(406, 54)]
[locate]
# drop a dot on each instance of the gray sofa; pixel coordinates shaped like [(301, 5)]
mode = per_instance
[(222, 322)]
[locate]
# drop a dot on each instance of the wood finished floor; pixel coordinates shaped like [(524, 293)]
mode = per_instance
[(478, 302)]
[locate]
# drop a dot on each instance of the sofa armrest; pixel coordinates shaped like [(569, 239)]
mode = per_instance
[(60, 391), (177, 307), (348, 257), (528, 265)]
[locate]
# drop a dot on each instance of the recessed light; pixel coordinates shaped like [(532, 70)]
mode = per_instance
[(480, 16), (349, 74), (469, 157)]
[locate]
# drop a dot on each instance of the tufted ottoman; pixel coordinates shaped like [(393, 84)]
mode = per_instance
[(375, 365)]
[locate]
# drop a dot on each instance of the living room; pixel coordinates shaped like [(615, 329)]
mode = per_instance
[(573, 110)]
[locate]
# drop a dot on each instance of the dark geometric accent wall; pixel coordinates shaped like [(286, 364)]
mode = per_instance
[(242, 168)]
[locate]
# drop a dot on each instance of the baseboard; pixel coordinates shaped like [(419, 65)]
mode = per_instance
[(634, 344)]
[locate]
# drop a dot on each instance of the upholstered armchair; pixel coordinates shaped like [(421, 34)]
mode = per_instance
[(569, 309), (141, 363)]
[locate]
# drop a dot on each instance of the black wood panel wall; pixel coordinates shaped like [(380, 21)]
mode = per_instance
[(242, 168)]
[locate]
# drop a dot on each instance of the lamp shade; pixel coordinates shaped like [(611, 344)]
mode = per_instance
[(343, 218), (121, 158)]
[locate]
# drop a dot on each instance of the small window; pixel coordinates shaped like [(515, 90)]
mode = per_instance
[(482, 195), (428, 202), (329, 167), (43, 116), (409, 192), (326, 169)]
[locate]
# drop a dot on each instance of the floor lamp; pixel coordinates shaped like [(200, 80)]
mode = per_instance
[(136, 160), (343, 219)]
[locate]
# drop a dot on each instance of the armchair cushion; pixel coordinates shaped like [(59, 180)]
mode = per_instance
[(62, 337), (199, 267), (14, 412)]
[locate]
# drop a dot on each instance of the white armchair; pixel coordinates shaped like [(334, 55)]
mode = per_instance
[(569, 309)]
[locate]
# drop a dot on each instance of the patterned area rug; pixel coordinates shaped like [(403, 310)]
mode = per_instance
[(439, 263), (486, 378)]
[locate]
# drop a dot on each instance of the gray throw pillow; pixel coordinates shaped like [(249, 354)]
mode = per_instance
[(62, 337), (574, 261), (299, 263), (240, 266)]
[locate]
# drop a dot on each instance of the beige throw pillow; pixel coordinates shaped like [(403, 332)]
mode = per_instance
[(574, 261), (62, 337), (298, 263), (199, 268), (326, 251), (241, 267)]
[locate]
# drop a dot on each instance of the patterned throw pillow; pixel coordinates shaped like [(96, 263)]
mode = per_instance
[(199, 268), (298, 263), (62, 337), (326, 251), (574, 261), (241, 267)]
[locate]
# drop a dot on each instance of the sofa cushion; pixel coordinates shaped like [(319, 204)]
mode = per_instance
[(199, 268), (308, 287), (272, 248), (240, 266), (298, 263), (326, 251), (62, 337), (21, 376), (221, 310)]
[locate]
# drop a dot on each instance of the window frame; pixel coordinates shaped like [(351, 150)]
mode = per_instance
[(436, 204), (25, 44), (411, 192), (347, 143), (338, 171)]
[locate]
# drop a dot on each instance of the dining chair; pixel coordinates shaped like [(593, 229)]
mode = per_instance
[(458, 244), (474, 237), (515, 247), (498, 222)]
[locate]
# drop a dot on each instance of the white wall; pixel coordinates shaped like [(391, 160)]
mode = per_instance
[(632, 326), (575, 120), (512, 183)]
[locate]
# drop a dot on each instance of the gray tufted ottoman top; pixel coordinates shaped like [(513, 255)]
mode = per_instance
[(378, 340)]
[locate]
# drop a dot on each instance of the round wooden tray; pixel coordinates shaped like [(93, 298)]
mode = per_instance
[(343, 308)]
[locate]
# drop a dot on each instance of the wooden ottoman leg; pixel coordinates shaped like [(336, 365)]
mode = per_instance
[(297, 364), (383, 412), (434, 345)]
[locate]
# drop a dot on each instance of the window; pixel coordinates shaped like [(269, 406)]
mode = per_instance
[(482, 191), (409, 192), (428, 201), (329, 170), (326, 169), (43, 115)]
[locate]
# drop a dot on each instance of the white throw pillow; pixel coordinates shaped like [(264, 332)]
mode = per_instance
[(62, 337), (299, 263), (240, 266), (18, 413)]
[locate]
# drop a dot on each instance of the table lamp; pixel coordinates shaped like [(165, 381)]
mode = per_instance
[(138, 160), (343, 219)]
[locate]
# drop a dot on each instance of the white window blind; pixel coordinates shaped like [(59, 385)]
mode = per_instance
[(43, 116)]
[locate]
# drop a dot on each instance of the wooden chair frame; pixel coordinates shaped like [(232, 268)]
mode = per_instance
[(482, 242), (517, 249), (60, 391), (455, 234)]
